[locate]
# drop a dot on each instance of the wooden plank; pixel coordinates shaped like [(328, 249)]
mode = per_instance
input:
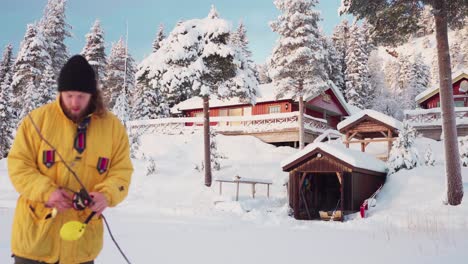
[(373, 140)]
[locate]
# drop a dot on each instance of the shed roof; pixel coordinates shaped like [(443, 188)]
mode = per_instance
[(383, 118), (353, 158)]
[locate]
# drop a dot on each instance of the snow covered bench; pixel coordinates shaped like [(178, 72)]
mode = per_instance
[(238, 180)]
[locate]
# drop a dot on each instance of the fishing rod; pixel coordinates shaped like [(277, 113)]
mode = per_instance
[(73, 230)]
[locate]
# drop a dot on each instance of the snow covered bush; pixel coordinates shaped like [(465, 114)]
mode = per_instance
[(134, 145), (429, 157), (404, 154), (150, 167), (215, 154), (463, 148)]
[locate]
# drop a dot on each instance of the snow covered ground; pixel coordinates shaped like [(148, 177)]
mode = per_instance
[(170, 217)]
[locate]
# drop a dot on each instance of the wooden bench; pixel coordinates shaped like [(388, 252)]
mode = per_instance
[(238, 180)]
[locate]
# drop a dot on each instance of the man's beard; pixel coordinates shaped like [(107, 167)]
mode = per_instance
[(76, 118)]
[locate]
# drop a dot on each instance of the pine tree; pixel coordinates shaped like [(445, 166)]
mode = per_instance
[(248, 80), (159, 37), (358, 90), (333, 64), (94, 51), (340, 40), (422, 76), (28, 70), (55, 30), (147, 102), (32, 99), (120, 73), (459, 50), (406, 80), (297, 63), (263, 76), (393, 22), (7, 118), (198, 57), (426, 23), (6, 64), (47, 87), (122, 108), (404, 154)]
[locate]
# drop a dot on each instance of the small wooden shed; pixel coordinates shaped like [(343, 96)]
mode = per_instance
[(370, 126), (329, 178)]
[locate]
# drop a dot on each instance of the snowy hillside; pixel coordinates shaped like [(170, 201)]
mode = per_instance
[(170, 217), (427, 47)]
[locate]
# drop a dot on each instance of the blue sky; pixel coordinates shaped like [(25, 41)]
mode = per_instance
[(144, 17)]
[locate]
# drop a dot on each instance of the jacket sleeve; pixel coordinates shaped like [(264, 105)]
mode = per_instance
[(115, 186), (22, 165)]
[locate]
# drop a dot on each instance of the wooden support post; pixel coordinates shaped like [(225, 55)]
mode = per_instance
[(363, 147), (220, 188), (347, 140), (342, 195), (389, 143), (237, 191), (268, 190), (253, 190)]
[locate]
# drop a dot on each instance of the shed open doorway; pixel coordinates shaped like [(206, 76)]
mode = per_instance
[(320, 192)]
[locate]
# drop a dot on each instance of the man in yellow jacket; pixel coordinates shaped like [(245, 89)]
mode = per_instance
[(93, 143)]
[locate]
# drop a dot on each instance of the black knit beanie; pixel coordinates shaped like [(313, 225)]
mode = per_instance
[(77, 75)]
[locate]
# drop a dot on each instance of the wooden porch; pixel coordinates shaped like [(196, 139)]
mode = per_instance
[(270, 128), (428, 122)]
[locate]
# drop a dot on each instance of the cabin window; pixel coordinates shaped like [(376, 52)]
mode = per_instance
[(274, 109), (459, 103)]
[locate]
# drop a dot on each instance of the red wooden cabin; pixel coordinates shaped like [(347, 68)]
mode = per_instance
[(329, 105), (431, 98)]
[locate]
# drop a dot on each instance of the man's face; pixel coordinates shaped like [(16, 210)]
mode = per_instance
[(75, 104)]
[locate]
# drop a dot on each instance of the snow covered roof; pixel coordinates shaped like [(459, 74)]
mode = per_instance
[(328, 134), (353, 157), (388, 120), (265, 93), (456, 76)]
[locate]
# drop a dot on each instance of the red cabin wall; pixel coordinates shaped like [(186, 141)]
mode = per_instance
[(332, 105), (262, 108), (435, 99)]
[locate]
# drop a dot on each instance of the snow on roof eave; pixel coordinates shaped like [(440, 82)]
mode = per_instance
[(197, 103), (428, 93), (354, 158), (388, 120), (341, 98)]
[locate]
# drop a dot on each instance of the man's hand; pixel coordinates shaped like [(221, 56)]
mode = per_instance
[(60, 199), (99, 203)]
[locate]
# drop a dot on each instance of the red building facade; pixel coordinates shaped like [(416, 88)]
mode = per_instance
[(431, 98), (329, 105)]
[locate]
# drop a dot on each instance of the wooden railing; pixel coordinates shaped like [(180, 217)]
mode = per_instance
[(424, 117), (246, 124)]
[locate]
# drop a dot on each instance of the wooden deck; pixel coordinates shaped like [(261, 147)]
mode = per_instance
[(428, 122), (271, 128)]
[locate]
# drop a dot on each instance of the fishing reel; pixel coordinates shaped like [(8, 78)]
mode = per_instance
[(81, 200)]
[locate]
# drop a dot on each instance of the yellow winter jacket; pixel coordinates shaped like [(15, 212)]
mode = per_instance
[(35, 233)]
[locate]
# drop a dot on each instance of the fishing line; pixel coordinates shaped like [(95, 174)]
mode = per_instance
[(85, 191)]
